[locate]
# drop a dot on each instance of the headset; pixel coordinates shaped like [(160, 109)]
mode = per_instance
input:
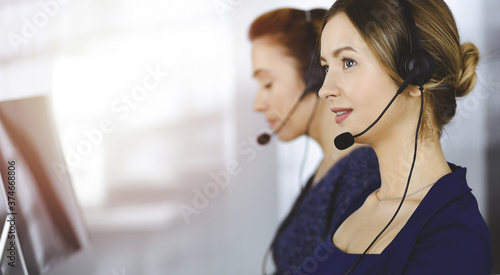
[(314, 74), (415, 67), (313, 78)]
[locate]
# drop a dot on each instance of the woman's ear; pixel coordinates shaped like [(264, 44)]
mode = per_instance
[(413, 91)]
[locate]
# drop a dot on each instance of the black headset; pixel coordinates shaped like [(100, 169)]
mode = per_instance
[(415, 67), (313, 77), (417, 59), (314, 74)]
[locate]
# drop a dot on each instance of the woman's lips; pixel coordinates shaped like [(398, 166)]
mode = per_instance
[(342, 114), (272, 123)]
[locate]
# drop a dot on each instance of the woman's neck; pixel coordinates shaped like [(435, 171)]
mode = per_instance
[(395, 159)]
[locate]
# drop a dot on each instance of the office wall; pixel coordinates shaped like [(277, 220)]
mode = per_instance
[(492, 176)]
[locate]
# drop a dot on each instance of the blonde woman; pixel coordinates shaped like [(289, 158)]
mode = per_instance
[(438, 229)]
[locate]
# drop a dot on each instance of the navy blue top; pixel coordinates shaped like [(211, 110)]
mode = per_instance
[(445, 235), (316, 209)]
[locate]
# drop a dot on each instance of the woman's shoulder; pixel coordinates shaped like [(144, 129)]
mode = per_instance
[(458, 218), (456, 240), (362, 153), (359, 160), (447, 232), (358, 169), (453, 202)]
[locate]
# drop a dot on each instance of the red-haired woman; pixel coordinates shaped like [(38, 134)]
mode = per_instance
[(283, 47)]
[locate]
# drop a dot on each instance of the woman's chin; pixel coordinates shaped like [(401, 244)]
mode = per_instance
[(286, 137)]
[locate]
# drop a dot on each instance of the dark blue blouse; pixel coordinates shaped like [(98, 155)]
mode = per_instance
[(445, 235), (316, 209)]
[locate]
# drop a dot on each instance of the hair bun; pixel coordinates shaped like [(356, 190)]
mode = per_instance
[(469, 54)]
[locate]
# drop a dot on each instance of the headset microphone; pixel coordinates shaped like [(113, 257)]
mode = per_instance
[(416, 67), (346, 140), (313, 78), (264, 138)]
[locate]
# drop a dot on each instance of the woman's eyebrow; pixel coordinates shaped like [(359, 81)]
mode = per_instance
[(259, 72), (338, 51)]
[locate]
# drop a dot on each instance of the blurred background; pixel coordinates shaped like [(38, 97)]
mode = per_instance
[(152, 103)]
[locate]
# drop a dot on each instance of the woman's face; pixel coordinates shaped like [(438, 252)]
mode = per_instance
[(356, 87), (280, 86)]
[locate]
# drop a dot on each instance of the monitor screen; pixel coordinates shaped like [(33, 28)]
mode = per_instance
[(37, 198)]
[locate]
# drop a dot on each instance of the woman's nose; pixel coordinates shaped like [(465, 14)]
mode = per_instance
[(330, 86), (259, 103)]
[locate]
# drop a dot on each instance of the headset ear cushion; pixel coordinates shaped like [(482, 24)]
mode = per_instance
[(420, 60), (313, 77), (317, 76), (402, 66)]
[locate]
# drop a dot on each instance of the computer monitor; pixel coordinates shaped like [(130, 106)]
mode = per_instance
[(52, 236)]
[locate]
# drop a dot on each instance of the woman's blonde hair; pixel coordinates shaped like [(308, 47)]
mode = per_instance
[(382, 27)]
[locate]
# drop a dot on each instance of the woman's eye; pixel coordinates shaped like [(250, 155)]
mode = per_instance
[(348, 63), (325, 68), (268, 85)]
